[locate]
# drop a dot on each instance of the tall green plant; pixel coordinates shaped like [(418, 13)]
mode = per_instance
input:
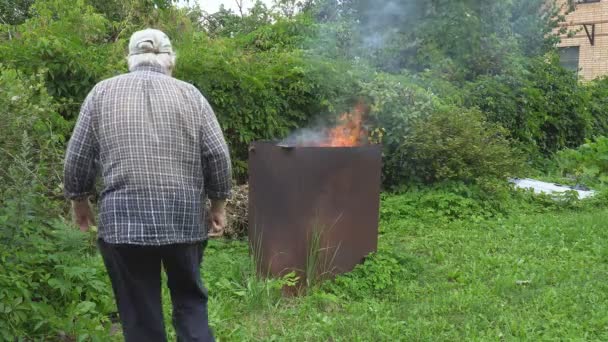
[(26, 108)]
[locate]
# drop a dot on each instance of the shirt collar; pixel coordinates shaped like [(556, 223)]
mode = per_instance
[(149, 67)]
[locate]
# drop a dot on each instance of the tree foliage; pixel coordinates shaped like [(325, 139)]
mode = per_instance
[(543, 105), (465, 37)]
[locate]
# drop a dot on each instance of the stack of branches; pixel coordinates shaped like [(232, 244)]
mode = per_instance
[(237, 212)]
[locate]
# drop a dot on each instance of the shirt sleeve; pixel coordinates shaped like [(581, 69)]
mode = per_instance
[(216, 156), (80, 163)]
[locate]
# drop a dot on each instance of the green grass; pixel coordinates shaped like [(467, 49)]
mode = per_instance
[(536, 272), (529, 277)]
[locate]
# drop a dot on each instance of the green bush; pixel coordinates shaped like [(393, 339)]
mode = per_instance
[(459, 145)]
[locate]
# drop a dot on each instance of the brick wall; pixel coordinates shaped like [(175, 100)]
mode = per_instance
[(593, 60)]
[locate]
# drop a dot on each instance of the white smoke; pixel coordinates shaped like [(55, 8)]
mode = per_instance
[(306, 137), (375, 34)]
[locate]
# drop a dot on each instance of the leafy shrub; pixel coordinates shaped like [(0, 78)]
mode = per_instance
[(588, 164), (47, 292), (459, 145)]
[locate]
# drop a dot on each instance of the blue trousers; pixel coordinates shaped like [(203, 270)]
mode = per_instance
[(135, 272)]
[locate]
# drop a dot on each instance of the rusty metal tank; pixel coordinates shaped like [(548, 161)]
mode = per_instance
[(313, 207)]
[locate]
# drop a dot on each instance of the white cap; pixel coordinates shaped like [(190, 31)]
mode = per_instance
[(149, 41)]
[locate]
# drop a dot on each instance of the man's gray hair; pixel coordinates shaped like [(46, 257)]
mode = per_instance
[(167, 62), (151, 47)]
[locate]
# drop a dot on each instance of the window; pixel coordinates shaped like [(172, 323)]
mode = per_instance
[(568, 58)]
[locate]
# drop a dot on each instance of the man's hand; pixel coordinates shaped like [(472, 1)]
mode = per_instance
[(83, 214), (217, 218)]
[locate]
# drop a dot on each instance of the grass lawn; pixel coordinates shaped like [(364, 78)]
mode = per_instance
[(527, 277)]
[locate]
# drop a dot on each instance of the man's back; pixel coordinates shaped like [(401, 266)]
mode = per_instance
[(156, 139), (149, 130), (160, 151)]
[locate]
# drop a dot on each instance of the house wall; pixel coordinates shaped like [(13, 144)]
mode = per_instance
[(593, 60)]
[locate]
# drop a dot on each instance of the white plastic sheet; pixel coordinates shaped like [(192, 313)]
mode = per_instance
[(549, 188)]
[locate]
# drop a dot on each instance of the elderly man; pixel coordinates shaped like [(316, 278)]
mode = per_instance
[(161, 152)]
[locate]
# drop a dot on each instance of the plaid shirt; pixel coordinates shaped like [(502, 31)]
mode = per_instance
[(160, 151)]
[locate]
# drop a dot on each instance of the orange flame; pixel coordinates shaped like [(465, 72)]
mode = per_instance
[(349, 131)]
